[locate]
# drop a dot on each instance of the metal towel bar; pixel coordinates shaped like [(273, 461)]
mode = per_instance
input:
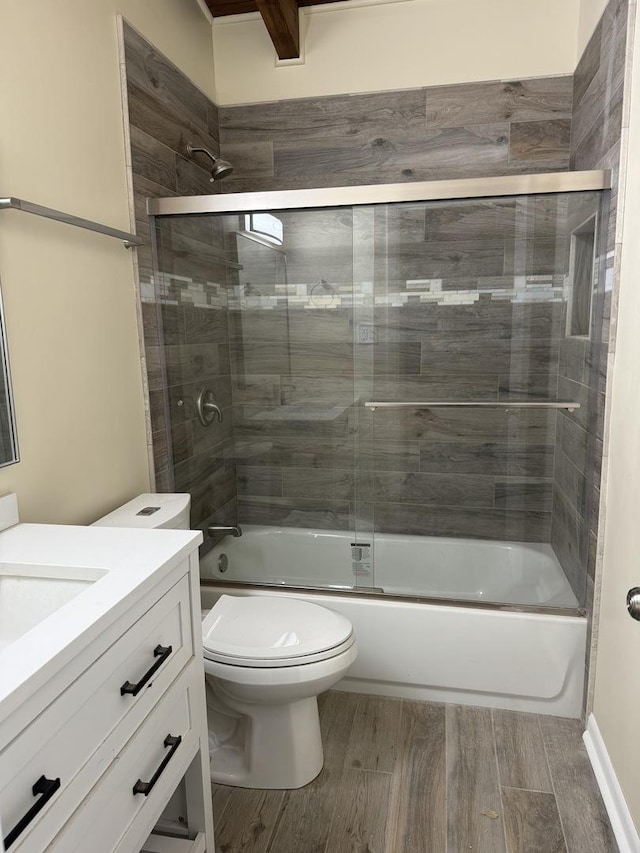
[(571, 407), (130, 240)]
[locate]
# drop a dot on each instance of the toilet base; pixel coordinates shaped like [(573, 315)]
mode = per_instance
[(263, 746)]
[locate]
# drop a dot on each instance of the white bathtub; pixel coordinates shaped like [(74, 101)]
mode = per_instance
[(427, 566), (451, 653)]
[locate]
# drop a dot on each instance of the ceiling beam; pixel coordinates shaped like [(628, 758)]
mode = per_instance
[(280, 16), (223, 8), (282, 19)]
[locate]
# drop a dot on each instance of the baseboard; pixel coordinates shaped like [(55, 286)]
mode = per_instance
[(615, 803)]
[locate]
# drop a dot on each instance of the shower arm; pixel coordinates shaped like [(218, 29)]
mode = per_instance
[(195, 149)]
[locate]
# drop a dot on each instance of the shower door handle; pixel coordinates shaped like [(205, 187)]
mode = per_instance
[(206, 407)]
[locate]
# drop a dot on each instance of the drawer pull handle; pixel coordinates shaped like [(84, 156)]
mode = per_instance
[(146, 787), (160, 652), (45, 789)]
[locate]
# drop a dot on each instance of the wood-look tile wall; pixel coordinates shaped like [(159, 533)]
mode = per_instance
[(184, 315), (439, 472), (306, 457), (595, 144), (578, 450), (452, 131), (465, 130)]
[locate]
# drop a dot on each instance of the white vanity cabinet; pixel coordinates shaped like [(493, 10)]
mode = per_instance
[(91, 755)]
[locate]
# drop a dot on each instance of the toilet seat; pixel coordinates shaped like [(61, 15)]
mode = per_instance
[(273, 632), (261, 663)]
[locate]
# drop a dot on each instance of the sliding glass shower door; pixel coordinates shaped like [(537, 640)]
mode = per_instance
[(406, 388), (486, 330), (299, 445), (269, 338)]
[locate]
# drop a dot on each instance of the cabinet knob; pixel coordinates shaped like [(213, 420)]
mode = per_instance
[(633, 602)]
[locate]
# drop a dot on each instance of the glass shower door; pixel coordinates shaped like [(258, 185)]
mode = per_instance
[(258, 309), (293, 386), (474, 466), (407, 388)]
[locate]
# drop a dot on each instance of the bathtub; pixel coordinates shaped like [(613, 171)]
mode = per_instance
[(469, 653)]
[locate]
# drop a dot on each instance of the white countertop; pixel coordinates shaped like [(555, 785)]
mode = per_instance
[(134, 560)]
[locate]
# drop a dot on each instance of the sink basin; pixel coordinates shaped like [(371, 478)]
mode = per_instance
[(29, 593)]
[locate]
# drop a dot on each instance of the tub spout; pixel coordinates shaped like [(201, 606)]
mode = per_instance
[(224, 531)]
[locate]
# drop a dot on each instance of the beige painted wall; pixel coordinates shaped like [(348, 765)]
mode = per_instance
[(589, 15), (68, 294), (617, 685), (363, 46)]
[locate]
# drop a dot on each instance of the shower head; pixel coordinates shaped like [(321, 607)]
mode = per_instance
[(221, 168)]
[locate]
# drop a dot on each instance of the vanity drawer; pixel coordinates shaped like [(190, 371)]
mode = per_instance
[(78, 734), (151, 762)]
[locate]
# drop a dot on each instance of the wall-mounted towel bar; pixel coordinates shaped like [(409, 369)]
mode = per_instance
[(130, 240), (541, 404)]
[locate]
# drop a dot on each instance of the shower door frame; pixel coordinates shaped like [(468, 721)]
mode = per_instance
[(420, 191), (507, 185)]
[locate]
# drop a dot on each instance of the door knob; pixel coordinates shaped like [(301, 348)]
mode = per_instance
[(633, 602)]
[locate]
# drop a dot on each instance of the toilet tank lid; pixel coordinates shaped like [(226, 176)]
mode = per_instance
[(149, 510)]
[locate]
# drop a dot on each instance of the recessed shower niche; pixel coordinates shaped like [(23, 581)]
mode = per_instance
[(582, 267)]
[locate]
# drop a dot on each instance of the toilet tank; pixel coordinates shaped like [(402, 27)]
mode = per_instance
[(151, 510)]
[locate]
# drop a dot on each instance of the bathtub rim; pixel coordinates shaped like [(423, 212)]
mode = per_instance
[(578, 612)]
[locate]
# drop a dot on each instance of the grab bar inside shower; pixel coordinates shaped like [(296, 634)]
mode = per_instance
[(472, 404)]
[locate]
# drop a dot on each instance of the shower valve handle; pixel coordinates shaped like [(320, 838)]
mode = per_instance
[(206, 407)]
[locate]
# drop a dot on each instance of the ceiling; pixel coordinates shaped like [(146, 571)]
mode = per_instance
[(281, 18)]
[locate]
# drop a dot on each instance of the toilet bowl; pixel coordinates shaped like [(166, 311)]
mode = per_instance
[(266, 659)]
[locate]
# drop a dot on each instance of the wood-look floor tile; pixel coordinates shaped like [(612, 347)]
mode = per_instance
[(306, 814), (337, 713), (532, 823), (582, 812), (321, 700), (222, 794), (248, 821), (473, 793), (418, 819), (443, 791), (522, 762), (360, 820), (373, 744)]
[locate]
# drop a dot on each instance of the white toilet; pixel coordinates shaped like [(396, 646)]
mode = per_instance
[(266, 658)]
